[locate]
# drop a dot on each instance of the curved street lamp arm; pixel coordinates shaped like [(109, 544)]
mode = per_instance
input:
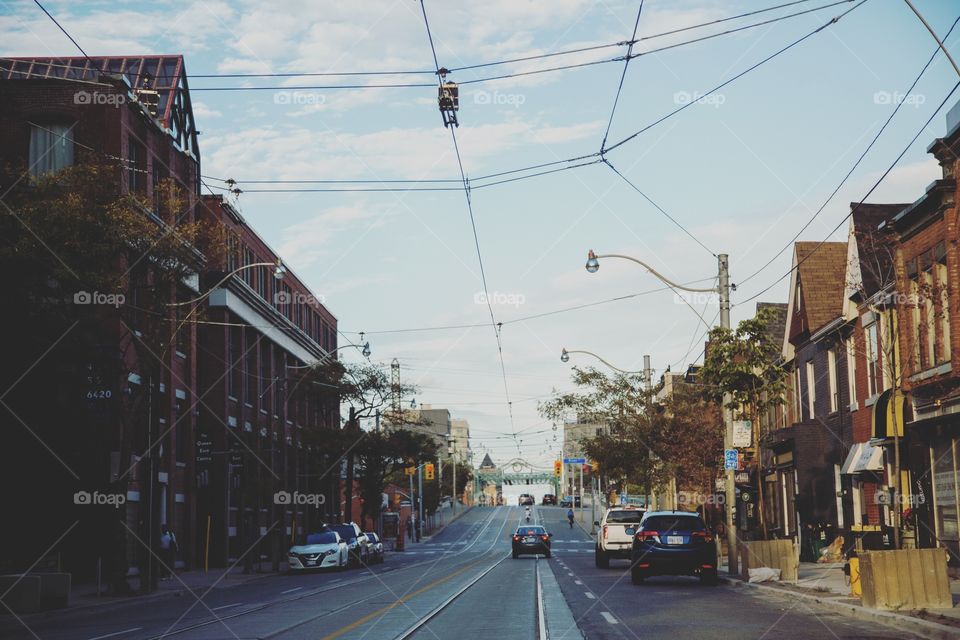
[(590, 353), (278, 265), (658, 274), (935, 36)]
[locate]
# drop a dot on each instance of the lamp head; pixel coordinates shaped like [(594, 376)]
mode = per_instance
[(280, 271), (366, 350), (413, 403), (592, 263), (564, 356)]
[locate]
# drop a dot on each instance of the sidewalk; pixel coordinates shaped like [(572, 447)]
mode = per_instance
[(84, 596), (448, 518), (826, 584)]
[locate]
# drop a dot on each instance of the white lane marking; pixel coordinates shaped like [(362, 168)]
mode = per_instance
[(570, 573), (292, 590), (226, 606), (116, 633), (589, 595), (341, 579), (577, 582), (609, 617)]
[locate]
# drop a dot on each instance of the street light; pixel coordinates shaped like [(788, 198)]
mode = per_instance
[(279, 270), (565, 357), (723, 291)]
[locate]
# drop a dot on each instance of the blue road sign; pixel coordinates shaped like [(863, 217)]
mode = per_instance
[(575, 461), (730, 459)]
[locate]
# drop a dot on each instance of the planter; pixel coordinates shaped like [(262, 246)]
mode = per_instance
[(905, 579), (776, 554)]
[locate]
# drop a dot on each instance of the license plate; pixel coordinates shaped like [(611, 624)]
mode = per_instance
[(529, 539), (674, 539), (630, 531)]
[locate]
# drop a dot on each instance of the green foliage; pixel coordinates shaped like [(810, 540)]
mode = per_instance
[(746, 363)]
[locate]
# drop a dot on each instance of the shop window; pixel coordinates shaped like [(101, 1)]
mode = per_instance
[(945, 488)]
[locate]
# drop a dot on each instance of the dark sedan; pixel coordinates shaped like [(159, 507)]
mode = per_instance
[(531, 540), (673, 543), (548, 498)]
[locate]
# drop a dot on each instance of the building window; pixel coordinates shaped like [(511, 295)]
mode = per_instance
[(930, 311), (832, 379), (872, 344), (265, 378), (797, 403), (235, 346), (811, 390), (51, 148), (250, 372), (137, 167), (851, 370)]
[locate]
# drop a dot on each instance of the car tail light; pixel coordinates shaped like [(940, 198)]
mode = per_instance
[(604, 532), (545, 537), (706, 535), (516, 538), (648, 536)]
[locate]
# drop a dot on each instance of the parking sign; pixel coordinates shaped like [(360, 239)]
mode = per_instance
[(730, 459)]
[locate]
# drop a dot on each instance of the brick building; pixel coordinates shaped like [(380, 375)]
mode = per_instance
[(260, 416), (55, 112), (803, 460)]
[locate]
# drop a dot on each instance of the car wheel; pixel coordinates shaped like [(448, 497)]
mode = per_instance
[(636, 576), (603, 560)]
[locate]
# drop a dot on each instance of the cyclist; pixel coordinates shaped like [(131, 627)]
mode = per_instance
[(570, 517), (526, 513)]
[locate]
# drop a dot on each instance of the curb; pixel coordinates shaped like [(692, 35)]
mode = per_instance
[(919, 626)]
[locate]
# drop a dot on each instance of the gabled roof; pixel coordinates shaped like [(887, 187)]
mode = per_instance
[(166, 75), (875, 263), (487, 462), (821, 270)]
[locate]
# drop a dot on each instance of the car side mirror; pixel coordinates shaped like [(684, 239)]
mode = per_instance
[(549, 535)]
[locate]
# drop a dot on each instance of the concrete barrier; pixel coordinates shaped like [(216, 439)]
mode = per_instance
[(776, 554), (905, 579), (24, 593), (54, 589)]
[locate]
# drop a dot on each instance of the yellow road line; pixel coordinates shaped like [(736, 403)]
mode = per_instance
[(392, 605)]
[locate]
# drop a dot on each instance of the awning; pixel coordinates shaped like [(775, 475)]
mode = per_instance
[(863, 457), (888, 415)]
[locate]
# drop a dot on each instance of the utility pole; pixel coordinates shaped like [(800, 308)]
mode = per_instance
[(648, 386), (731, 490)]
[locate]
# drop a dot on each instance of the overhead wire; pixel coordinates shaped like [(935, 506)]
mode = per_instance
[(860, 203), (855, 164), (623, 77)]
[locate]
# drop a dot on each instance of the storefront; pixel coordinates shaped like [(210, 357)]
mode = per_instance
[(863, 469)]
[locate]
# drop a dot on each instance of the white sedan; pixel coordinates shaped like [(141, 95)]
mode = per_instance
[(320, 550)]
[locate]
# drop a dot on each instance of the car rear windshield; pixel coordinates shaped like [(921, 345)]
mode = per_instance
[(531, 531), (372, 537), (673, 523), (322, 538), (627, 515)]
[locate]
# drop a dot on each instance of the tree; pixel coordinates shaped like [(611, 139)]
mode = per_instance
[(746, 363), (68, 241)]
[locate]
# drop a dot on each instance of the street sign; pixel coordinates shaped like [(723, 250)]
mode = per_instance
[(730, 459), (742, 434), (575, 461), (742, 477)]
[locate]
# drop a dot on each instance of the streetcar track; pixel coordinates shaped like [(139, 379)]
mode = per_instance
[(329, 587)]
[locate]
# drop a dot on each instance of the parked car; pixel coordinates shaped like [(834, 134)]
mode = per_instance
[(376, 547), (548, 498), (319, 550), (526, 498), (570, 501), (615, 536), (673, 543), (357, 543), (531, 540)]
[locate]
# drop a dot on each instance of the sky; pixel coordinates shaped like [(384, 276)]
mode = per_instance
[(741, 170)]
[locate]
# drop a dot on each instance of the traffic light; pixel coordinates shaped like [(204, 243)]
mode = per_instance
[(557, 468), (428, 471)]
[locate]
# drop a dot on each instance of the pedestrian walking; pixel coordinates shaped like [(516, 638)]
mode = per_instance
[(410, 528), (419, 528), (168, 551)]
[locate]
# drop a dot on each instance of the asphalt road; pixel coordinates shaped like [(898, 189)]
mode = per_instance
[(461, 584)]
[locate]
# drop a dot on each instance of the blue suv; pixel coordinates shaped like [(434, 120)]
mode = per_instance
[(673, 543)]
